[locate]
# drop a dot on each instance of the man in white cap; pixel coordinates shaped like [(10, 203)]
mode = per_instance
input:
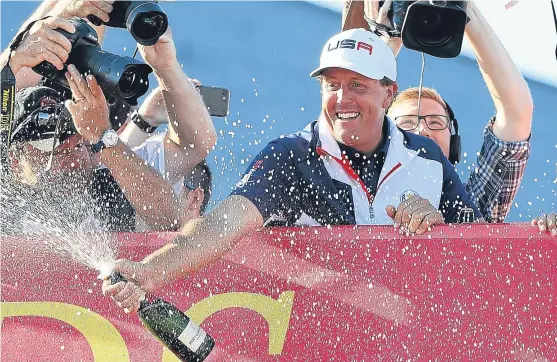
[(351, 166)]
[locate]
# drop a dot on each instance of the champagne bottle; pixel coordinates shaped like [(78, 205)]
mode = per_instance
[(172, 328)]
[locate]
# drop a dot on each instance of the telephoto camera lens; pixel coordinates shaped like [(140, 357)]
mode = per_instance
[(148, 28), (130, 82), (145, 20), (121, 77)]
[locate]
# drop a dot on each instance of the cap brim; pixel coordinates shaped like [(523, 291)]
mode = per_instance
[(348, 66), (316, 72)]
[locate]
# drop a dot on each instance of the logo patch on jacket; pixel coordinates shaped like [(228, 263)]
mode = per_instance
[(244, 181)]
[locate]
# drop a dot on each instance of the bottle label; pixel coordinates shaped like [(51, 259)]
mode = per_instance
[(192, 336)]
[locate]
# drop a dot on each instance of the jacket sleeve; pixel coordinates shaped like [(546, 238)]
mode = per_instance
[(495, 180), (270, 183)]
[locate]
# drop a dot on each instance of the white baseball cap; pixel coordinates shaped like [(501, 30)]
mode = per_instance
[(360, 51)]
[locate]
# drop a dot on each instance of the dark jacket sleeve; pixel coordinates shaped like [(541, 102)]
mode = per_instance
[(270, 183)]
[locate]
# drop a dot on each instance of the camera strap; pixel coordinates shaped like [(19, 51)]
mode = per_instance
[(8, 100), (381, 29), (7, 105)]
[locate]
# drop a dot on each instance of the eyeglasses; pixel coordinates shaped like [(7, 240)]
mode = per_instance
[(435, 122)]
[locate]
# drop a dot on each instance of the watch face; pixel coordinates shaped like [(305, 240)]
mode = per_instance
[(110, 138)]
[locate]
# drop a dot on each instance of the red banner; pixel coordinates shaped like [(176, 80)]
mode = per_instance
[(313, 294)]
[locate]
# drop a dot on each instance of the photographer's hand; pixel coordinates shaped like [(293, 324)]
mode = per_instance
[(88, 108), (373, 12), (43, 43), (82, 8), (162, 55), (153, 108)]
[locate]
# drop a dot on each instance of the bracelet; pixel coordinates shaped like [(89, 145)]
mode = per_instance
[(142, 123)]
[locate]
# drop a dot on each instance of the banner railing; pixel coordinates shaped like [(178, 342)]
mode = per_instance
[(474, 292)]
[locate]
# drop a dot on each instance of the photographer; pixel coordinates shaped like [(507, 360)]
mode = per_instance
[(54, 48), (75, 166), (193, 189), (506, 147), (150, 194)]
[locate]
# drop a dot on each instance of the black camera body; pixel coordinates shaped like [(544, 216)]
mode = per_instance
[(429, 26), (84, 35), (145, 20), (123, 78)]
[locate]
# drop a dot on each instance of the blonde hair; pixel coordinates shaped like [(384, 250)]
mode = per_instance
[(413, 93)]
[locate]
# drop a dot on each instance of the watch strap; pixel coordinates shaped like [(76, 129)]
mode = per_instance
[(101, 145), (142, 123), (98, 147)]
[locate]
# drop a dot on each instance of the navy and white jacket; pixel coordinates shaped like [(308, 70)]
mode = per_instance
[(299, 180)]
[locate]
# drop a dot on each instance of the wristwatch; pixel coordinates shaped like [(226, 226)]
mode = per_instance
[(108, 139), (142, 123)]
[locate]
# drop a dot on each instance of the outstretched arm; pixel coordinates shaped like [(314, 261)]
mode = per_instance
[(353, 15), (201, 242)]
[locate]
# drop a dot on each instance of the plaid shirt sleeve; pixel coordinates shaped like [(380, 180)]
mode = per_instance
[(493, 184)]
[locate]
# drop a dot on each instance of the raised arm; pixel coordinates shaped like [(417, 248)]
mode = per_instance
[(353, 18), (153, 112), (192, 134), (151, 196), (508, 89), (353, 15)]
